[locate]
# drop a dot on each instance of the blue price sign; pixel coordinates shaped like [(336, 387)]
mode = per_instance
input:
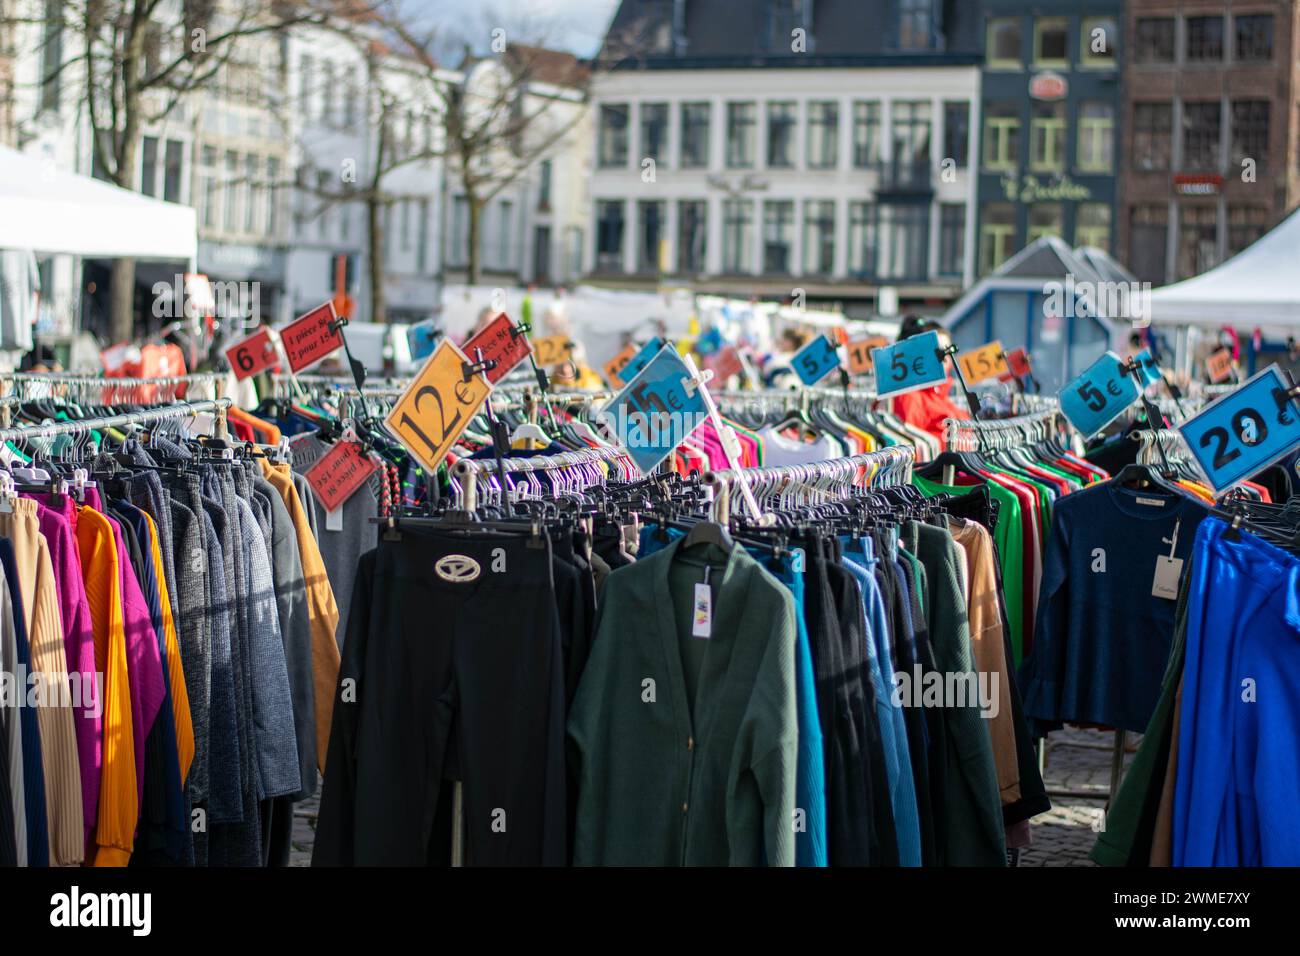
[(908, 365), (1149, 366), (641, 359), (656, 410), (1098, 396), (1245, 431), (814, 361), (422, 337)]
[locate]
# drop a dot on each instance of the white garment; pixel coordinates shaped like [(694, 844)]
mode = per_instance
[(20, 290), (779, 450)]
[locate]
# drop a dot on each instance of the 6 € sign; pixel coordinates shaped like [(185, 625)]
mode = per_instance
[(1098, 396), (437, 406)]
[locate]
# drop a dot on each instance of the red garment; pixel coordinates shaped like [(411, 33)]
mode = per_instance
[(927, 408)]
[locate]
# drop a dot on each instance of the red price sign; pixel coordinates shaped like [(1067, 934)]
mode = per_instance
[(1017, 365), (725, 363), (499, 340), (254, 354), (1219, 365), (338, 475), (310, 338)]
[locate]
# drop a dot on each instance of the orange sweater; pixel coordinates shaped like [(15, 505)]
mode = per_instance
[(175, 673)]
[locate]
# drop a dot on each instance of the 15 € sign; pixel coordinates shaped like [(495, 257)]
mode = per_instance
[(987, 361), (437, 406)]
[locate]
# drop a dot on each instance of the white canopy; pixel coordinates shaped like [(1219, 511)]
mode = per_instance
[(1256, 288), (49, 210)]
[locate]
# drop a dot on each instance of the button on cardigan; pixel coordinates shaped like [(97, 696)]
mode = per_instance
[(659, 785)]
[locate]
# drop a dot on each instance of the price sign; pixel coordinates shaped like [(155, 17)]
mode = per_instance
[(499, 340), (254, 354), (422, 337), (437, 406), (1017, 365), (816, 360), (310, 338), (987, 361), (1219, 365), (908, 365), (339, 473), (1149, 367), (725, 363), (553, 350), (1245, 431), (615, 366), (655, 411), (859, 352), (1098, 396)]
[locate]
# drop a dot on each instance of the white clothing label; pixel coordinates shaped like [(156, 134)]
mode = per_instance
[(1168, 571), (334, 520), (702, 621), (1157, 502)]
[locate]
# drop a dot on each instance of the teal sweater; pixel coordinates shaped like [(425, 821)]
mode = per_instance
[(685, 748)]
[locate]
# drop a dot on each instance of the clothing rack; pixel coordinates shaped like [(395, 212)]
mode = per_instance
[(999, 432), (80, 384), (175, 410), (470, 472)]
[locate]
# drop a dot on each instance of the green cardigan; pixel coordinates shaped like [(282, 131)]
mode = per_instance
[(659, 785)]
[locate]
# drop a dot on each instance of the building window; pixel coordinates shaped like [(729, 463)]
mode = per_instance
[(782, 119), (230, 222), (350, 99), (819, 237), (208, 186), (609, 235), (1051, 44), (692, 235), (253, 173), (613, 136), (915, 24), (778, 236), (149, 166), (1092, 225), (654, 132), (1201, 122), (1002, 44), (1154, 40), (742, 119), (823, 134), (911, 122), (866, 134), (326, 91), (695, 135), (304, 86), (956, 133), (1097, 43), (650, 233), (458, 241), (952, 238), (1096, 137), (657, 21), (997, 234), (544, 186), (1047, 137), (505, 234), (272, 197), (784, 17), (173, 160), (406, 226), (51, 55), (1205, 39), (1245, 225), (1046, 219), (737, 236), (864, 239), (1148, 237), (1254, 37), (1153, 126), (907, 235), (1001, 137), (1249, 132), (323, 206), (1198, 246), (422, 247)]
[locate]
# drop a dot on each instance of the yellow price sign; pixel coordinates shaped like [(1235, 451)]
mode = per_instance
[(1219, 365), (984, 362), (619, 362), (437, 406), (553, 350), (860, 354)]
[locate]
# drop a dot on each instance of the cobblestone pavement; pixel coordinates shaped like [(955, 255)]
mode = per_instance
[(1077, 760)]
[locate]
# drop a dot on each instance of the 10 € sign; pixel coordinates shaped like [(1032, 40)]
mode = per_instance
[(436, 407)]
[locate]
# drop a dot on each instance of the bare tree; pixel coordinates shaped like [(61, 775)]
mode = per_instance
[(132, 62)]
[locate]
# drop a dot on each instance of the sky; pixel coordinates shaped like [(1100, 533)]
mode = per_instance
[(573, 25)]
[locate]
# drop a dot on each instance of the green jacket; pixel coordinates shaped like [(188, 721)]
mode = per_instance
[(684, 748)]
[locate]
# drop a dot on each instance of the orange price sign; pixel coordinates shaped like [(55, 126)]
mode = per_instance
[(619, 362), (987, 361), (1219, 365), (437, 406), (553, 350), (860, 354)]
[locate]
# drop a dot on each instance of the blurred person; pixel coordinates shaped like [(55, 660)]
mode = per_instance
[(926, 408)]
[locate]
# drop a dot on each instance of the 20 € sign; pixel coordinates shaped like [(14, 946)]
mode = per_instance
[(437, 406)]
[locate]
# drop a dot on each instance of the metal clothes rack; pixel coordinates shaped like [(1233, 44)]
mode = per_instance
[(108, 389), (578, 464), (217, 406)]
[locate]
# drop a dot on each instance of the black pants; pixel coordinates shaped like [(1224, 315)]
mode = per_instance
[(451, 670)]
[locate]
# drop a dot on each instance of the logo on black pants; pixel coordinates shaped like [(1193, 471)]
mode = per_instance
[(457, 568)]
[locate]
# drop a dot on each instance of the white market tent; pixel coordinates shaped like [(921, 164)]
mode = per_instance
[(1257, 288), (52, 211)]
